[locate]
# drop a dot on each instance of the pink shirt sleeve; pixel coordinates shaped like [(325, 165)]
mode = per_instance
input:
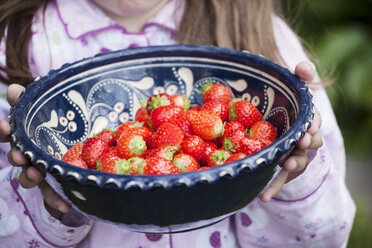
[(314, 209)]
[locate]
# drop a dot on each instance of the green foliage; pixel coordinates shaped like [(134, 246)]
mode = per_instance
[(361, 232), (339, 33)]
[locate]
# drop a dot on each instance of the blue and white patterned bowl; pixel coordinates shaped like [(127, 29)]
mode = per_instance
[(72, 103)]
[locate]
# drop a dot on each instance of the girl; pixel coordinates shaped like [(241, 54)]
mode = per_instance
[(306, 205)]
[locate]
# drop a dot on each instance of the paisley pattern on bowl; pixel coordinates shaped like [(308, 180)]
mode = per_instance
[(111, 101)]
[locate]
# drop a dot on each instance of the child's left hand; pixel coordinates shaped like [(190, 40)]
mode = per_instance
[(296, 163)]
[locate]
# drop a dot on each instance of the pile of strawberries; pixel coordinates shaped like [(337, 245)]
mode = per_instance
[(168, 136)]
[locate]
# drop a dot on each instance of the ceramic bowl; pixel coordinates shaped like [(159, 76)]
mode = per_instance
[(79, 99)]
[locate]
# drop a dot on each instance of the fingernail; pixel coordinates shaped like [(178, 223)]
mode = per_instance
[(308, 66), (306, 140), (63, 209), (291, 165), (306, 69)]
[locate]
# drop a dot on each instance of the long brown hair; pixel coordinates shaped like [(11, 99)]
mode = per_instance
[(238, 24), (15, 27)]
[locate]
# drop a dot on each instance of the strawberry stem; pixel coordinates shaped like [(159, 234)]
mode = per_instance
[(122, 167), (143, 102), (232, 113), (158, 101), (220, 155), (98, 165), (248, 132), (137, 124), (229, 145), (204, 87), (137, 145), (186, 102), (180, 164), (171, 150)]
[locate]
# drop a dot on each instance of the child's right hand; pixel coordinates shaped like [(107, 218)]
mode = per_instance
[(30, 175)]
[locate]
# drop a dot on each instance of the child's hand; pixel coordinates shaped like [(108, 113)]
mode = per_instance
[(30, 175), (296, 163)]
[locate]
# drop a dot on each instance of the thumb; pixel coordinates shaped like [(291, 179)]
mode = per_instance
[(52, 199), (13, 92), (305, 71)]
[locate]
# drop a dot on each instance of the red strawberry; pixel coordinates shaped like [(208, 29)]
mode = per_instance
[(263, 130), (217, 91), (144, 132), (186, 162), (159, 166), (158, 100), (142, 116), (218, 107), (232, 127), (232, 140), (250, 146), (219, 141), (77, 161), (164, 114), (194, 146), (151, 143), (218, 157), (235, 156), (208, 126), (136, 165), (245, 113), (165, 152), (229, 129), (210, 147), (93, 148), (108, 136), (168, 134), (181, 101), (125, 126), (131, 145), (107, 163), (267, 142), (184, 124), (113, 150), (195, 107), (74, 152), (234, 100)]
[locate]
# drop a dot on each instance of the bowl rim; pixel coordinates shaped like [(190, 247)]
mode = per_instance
[(249, 164)]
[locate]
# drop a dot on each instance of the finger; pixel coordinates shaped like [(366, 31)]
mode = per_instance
[(275, 186), (316, 123), (316, 141), (13, 92), (4, 131), (306, 71), (297, 160), (34, 174), (30, 177), (52, 198), (16, 158), (305, 141)]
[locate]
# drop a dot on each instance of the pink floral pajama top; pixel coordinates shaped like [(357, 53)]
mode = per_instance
[(313, 210)]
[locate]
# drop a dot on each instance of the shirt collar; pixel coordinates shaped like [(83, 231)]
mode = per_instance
[(91, 19)]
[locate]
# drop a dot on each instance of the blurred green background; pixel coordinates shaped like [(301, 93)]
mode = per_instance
[(339, 34)]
